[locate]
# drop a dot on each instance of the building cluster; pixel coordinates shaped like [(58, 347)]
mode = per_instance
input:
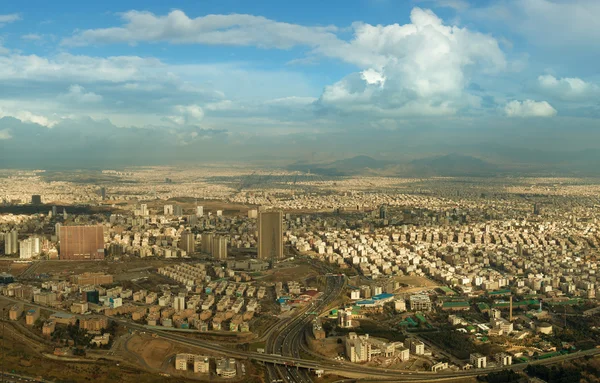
[(200, 364), (545, 258)]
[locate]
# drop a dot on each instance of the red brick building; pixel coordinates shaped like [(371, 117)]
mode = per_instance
[(82, 242)]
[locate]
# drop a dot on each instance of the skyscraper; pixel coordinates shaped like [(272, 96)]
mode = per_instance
[(29, 248), (383, 212), (102, 193), (270, 235), (219, 247), (168, 209), (36, 199), (199, 211), (11, 243), (207, 240), (81, 242), (188, 242), (177, 210)]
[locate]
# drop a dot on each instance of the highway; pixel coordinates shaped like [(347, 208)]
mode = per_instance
[(288, 340), (293, 360)]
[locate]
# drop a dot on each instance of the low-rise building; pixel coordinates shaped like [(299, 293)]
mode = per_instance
[(226, 367), (101, 340)]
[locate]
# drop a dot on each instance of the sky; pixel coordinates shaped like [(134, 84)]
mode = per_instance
[(233, 77)]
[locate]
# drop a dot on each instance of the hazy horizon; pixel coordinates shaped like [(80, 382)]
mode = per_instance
[(116, 84)]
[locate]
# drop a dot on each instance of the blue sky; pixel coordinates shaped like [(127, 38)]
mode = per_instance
[(271, 68)]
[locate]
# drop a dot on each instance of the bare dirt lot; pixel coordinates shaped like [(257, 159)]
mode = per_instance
[(11, 267), (292, 271)]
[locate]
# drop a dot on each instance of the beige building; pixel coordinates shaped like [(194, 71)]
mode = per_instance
[(416, 346), (48, 327), (226, 367), (199, 363), (188, 242), (219, 247), (31, 316), (478, 360), (360, 349), (93, 323), (15, 312), (101, 340)]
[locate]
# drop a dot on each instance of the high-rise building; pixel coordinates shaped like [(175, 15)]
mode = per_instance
[(65, 216), (54, 211), (11, 242), (102, 193), (81, 242), (168, 209), (188, 242), (207, 240), (219, 247), (252, 213), (383, 212), (29, 248), (270, 235), (199, 211), (192, 220), (177, 211), (179, 302), (57, 229), (36, 199)]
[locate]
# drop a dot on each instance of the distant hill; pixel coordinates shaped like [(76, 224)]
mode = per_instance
[(347, 166), (453, 165), (446, 165)]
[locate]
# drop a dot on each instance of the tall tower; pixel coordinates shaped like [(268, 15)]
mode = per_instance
[(11, 243), (188, 242), (510, 316), (270, 235), (219, 247)]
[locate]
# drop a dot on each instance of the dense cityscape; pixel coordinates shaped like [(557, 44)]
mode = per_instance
[(341, 191), (213, 274)]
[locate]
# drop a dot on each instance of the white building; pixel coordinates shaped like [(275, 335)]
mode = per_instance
[(226, 367), (503, 359), (478, 360), (416, 346), (420, 302), (179, 303), (29, 248)]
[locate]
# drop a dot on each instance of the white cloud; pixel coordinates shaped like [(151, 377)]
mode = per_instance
[(77, 94), (566, 88), (187, 115), (417, 68), (27, 116), (32, 37), (80, 69), (10, 18), (5, 134), (529, 108), (176, 27)]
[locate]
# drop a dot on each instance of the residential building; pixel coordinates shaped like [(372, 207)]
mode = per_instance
[(478, 360)]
